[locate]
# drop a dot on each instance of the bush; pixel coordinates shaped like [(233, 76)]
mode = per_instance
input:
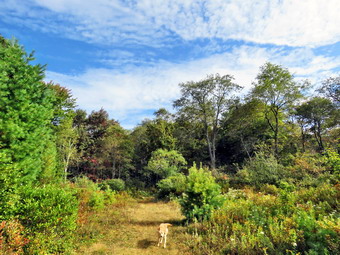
[(49, 216), (115, 184), (332, 161), (262, 169), (254, 223), (172, 186), (202, 195), (165, 163), (12, 239), (93, 195)]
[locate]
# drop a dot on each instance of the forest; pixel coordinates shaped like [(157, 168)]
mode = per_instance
[(252, 173)]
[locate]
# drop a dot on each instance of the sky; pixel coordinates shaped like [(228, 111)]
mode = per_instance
[(128, 57)]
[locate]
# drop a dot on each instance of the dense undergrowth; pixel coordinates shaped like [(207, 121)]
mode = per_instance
[(296, 212)]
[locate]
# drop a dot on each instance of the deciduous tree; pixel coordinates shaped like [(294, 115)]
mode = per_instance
[(276, 88), (207, 100)]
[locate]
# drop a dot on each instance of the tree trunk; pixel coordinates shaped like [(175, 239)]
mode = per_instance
[(317, 134), (303, 138), (276, 134), (244, 146), (212, 149), (113, 173), (66, 166)]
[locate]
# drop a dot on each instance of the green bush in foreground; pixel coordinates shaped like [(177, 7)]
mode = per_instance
[(49, 216), (257, 223), (202, 195)]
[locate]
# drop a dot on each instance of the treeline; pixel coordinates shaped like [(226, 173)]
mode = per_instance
[(274, 133), (214, 126)]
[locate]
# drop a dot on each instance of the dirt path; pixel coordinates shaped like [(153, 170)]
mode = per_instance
[(133, 230)]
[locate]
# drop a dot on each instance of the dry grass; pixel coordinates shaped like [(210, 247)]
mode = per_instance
[(131, 228)]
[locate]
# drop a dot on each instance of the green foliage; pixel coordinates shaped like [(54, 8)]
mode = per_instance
[(262, 169), (49, 216), (202, 195), (277, 89), (12, 238), (96, 200), (26, 105), (256, 223), (93, 196), (9, 183), (206, 101), (165, 163), (113, 184), (173, 186), (318, 114), (116, 151), (332, 161)]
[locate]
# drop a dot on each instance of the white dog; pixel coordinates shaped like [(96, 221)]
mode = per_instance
[(163, 231)]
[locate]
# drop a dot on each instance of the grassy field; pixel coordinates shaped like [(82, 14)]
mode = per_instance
[(131, 228)]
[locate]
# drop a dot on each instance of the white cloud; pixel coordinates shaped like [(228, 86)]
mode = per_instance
[(128, 94), (295, 23)]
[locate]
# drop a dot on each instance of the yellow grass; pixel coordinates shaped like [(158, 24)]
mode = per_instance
[(131, 229)]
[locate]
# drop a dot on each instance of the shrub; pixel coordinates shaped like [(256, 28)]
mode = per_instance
[(113, 184), (332, 161), (202, 195), (172, 186), (49, 216), (85, 183), (262, 169), (97, 200), (92, 195), (317, 236), (12, 239), (269, 189), (324, 193), (165, 163)]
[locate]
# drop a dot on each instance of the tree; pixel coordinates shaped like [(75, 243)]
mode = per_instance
[(151, 135), (244, 128), (26, 112), (67, 140), (276, 88), (117, 149), (207, 100), (317, 113), (331, 88), (165, 163)]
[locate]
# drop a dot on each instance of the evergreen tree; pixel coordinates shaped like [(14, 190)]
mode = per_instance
[(26, 112)]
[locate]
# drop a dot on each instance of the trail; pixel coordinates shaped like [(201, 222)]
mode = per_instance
[(132, 230)]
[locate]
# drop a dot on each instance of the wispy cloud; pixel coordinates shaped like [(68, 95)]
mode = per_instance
[(136, 90), (295, 23)]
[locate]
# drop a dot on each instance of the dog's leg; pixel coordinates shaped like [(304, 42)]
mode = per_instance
[(160, 240), (164, 241)]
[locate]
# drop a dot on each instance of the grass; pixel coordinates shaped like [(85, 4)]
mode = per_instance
[(130, 227)]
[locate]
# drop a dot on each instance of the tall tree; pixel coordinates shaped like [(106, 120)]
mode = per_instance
[(276, 88), (66, 133), (207, 100), (26, 112), (243, 129), (317, 113), (117, 150), (331, 88), (151, 135)]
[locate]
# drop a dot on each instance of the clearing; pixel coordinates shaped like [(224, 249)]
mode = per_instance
[(131, 228)]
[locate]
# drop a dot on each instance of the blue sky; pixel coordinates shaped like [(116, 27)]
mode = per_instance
[(129, 56)]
